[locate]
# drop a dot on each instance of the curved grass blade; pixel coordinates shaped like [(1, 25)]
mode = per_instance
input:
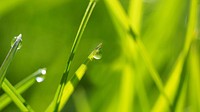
[(73, 82), (81, 29), (16, 97), (21, 87), (9, 58)]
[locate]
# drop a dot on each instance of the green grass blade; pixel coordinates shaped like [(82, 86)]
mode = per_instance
[(73, 82), (194, 78), (127, 90), (9, 58), (173, 81), (16, 97), (21, 87), (117, 11), (135, 14), (182, 98), (81, 29)]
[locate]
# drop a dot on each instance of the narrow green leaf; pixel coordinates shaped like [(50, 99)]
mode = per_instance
[(194, 78), (180, 107), (73, 82), (81, 29), (16, 97), (21, 87), (9, 58)]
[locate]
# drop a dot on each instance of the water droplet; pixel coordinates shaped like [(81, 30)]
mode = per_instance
[(43, 71), (39, 79), (98, 55), (41, 76), (18, 38)]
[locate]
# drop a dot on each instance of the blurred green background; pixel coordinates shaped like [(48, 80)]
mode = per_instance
[(116, 82)]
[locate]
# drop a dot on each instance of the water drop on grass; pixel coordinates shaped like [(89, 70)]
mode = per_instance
[(98, 55), (41, 77), (18, 38)]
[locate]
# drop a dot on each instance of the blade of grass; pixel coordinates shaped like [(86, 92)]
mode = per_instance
[(194, 78), (73, 82), (114, 7), (16, 97), (21, 87), (9, 58), (182, 98), (173, 81), (127, 90), (135, 15), (81, 29)]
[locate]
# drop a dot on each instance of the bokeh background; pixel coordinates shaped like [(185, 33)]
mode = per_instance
[(121, 80)]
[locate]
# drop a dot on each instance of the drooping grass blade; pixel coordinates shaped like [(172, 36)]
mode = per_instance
[(73, 82), (81, 29), (9, 57), (22, 86)]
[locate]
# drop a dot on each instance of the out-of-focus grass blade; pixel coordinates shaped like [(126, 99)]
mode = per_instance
[(16, 97), (127, 90), (173, 81), (180, 107), (9, 58), (21, 86), (81, 29), (135, 14), (117, 11), (73, 82), (81, 101), (194, 78)]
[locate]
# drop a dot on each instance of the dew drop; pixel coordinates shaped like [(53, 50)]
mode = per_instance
[(15, 39), (43, 72), (98, 55), (39, 79)]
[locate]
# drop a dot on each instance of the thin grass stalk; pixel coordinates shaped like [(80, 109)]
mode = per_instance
[(9, 58), (81, 29), (16, 97), (135, 13), (21, 87), (73, 82)]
